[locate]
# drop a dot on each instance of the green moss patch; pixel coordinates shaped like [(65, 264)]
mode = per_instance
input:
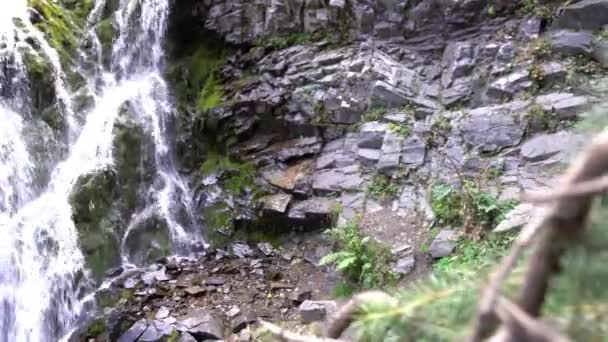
[(237, 175)]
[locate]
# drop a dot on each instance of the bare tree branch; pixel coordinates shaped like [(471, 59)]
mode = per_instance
[(588, 188)]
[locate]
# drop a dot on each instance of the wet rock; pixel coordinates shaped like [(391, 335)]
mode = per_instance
[(266, 248), (113, 272), (443, 244), (571, 43), (313, 311), (154, 277), (202, 325), (277, 203), (584, 15), (156, 331), (134, 332), (241, 250)]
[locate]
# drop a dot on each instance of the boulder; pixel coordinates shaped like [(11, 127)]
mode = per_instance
[(488, 129), (313, 311), (545, 146), (443, 244), (588, 15), (202, 325), (571, 43)]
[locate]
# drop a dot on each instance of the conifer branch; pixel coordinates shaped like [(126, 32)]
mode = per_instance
[(286, 336)]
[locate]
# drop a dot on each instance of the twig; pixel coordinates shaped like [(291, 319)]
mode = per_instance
[(521, 324), (344, 317), (286, 336), (588, 188)]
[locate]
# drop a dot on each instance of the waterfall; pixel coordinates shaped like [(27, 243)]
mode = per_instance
[(44, 282)]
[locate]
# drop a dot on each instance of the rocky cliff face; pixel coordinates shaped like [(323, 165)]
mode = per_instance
[(327, 99)]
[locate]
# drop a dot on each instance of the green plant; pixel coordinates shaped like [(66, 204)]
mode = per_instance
[(361, 259), (476, 254), (539, 48), (537, 74), (601, 35), (469, 206), (374, 114), (538, 118), (382, 188), (343, 289), (237, 176), (401, 130), (296, 38), (536, 8)]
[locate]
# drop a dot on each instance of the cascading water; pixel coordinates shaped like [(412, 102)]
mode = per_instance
[(43, 277)]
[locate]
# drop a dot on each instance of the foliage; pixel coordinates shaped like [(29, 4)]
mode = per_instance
[(382, 188), (236, 177), (297, 38), (361, 259), (374, 114), (469, 206), (476, 254), (539, 119), (62, 24), (538, 8), (401, 130), (343, 289), (537, 74)]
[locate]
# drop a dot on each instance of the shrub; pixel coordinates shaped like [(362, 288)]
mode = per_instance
[(382, 188), (361, 259)]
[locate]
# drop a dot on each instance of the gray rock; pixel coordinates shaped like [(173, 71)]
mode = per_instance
[(390, 154), (345, 178), (313, 311), (530, 28), (155, 277), (571, 43), (301, 294), (298, 148), (185, 337), (241, 250), (458, 61), (134, 332), (266, 248), (277, 202), (413, 151), (313, 207), (162, 313), (600, 52), (368, 157), (157, 331), (545, 146), (240, 322), (565, 105), (405, 265), (521, 215), (443, 244), (371, 135), (202, 325), (508, 85), (489, 129), (584, 15)]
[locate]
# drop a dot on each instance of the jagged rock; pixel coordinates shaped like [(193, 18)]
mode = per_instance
[(519, 80), (240, 322), (134, 332), (371, 135), (300, 295), (288, 179), (277, 203), (266, 248), (530, 28), (241, 250), (584, 15), (565, 105), (489, 129), (413, 151), (545, 146), (195, 290), (313, 311), (390, 154), (296, 148), (443, 244), (345, 178), (202, 325), (521, 215), (156, 331), (406, 261), (368, 157), (312, 207), (571, 43), (458, 61)]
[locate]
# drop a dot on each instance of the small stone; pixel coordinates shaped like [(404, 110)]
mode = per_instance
[(233, 311), (266, 248), (162, 313), (215, 281), (301, 294), (226, 289), (405, 265), (280, 286), (312, 311), (443, 244), (202, 325), (241, 250), (195, 290)]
